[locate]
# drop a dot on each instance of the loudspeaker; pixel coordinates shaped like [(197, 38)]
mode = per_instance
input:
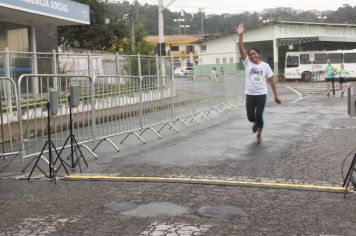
[(74, 97), (53, 101)]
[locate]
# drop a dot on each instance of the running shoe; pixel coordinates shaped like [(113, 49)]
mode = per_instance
[(254, 128), (259, 138)]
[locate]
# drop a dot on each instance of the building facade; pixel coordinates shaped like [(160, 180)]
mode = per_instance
[(185, 49), (274, 40), (28, 26)]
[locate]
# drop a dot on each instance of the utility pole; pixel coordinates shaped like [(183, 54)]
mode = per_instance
[(202, 22), (161, 45), (133, 38), (160, 28)]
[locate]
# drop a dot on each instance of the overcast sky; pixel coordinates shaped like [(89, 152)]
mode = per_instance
[(237, 6)]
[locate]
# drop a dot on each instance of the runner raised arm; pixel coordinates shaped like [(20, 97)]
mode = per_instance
[(240, 30)]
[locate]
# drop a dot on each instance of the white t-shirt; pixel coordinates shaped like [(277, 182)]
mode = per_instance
[(256, 76)]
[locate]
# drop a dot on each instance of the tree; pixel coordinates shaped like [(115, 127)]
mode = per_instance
[(97, 35), (123, 46)]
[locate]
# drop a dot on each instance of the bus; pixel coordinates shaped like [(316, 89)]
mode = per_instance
[(305, 65)]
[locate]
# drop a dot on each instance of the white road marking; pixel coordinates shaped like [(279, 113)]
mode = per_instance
[(300, 96)]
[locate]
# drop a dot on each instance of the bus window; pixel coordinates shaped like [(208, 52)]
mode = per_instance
[(336, 57), (320, 58), (304, 59), (350, 58), (292, 61)]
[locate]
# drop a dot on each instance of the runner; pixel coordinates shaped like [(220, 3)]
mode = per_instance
[(213, 74), (257, 73), (330, 77), (342, 79)]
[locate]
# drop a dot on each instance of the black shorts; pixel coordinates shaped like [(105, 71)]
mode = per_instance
[(330, 80), (342, 80)]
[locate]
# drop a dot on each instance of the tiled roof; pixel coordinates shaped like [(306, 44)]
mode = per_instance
[(174, 39)]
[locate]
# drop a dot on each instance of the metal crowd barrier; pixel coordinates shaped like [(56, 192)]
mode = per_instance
[(9, 126), (32, 114), (184, 101), (111, 105), (157, 102), (117, 107), (234, 90)]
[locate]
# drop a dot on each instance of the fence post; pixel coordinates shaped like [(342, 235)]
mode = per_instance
[(172, 88), (140, 91), (34, 63), (54, 69), (117, 63), (160, 80), (7, 89), (7, 63), (194, 96), (19, 118), (211, 92), (93, 110), (90, 66)]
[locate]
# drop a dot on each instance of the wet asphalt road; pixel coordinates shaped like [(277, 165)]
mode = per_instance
[(305, 141)]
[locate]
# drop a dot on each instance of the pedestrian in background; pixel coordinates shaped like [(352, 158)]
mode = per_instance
[(257, 74), (342, 79), (222, 72), (213, 74), (330, 77)]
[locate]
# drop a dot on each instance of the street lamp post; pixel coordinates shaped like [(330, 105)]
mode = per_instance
[(322, 18), (179, 22), (185, 28), (131, 22)]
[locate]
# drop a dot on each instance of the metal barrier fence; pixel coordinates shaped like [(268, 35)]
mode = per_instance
[(14, 64), (9, 126), (351, 100), (132, 105), (117, 106), (32, 113), (109, 106)]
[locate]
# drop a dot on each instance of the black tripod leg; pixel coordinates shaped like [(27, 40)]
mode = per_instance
[(38, 158), (77, 160), (60, 159), (59, 154), (348, 177), (349, 173), (81, 153), (65, 143)]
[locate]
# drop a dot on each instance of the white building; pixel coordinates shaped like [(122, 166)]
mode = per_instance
[(274, 40)]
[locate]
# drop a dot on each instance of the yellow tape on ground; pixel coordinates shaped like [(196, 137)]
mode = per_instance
[(208, 181)]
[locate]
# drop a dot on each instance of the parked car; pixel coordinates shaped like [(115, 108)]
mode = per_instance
[(184, 71)]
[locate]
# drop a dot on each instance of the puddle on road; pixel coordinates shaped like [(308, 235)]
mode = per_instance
[(221, 212), (120, 206), (154, 209)]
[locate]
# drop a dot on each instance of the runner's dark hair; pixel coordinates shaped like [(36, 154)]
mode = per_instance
[(258, 51)]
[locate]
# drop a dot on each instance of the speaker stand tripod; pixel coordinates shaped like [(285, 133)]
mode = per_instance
[(74, 146), (349, 177), (49, 144)]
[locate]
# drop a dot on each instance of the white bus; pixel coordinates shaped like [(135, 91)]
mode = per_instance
[(302, 65)]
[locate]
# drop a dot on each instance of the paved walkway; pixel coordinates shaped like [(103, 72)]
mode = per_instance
[(305, 142)]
